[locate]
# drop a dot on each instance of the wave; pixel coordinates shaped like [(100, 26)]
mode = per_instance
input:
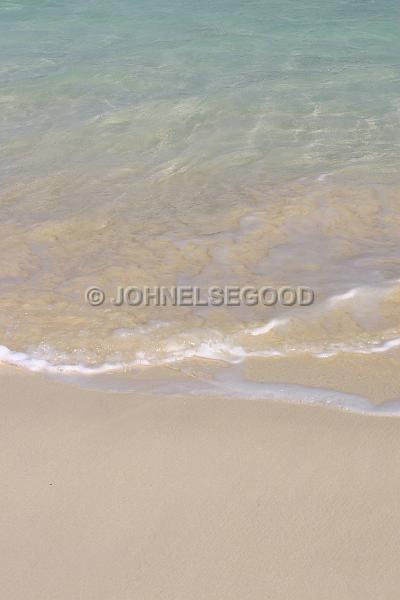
[(225, 383), (212, 350)]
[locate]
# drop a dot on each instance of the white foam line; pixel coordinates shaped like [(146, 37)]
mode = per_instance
[(218, 351), (370, 349), (384, 347), (21, 359), (362, 290), (298, 394), (228, 383), (344, 297), (322, 177), (266, 328)]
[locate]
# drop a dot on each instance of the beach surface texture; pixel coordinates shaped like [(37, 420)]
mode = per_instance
[(121, 496)]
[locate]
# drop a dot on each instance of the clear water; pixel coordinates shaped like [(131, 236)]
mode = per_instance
[(280, 89), (161, 143)]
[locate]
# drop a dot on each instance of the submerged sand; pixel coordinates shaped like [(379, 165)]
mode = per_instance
[(121, 496)]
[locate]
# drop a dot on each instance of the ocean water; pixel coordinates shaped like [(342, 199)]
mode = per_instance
[(202, 144)]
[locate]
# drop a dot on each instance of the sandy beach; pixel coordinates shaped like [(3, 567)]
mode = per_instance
[(118, 496), (199, 300)]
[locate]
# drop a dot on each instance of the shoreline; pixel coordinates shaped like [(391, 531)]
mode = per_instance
[(366, 384)]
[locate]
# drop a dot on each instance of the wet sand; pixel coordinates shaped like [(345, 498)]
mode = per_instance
[(126, 496)]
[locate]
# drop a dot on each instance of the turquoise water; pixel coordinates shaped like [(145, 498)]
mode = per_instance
[(180, 142), (283, 89)]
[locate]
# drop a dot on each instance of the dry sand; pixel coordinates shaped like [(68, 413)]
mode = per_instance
[(119, 497)]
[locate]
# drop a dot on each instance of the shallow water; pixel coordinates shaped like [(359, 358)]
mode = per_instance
[(227, 143)]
